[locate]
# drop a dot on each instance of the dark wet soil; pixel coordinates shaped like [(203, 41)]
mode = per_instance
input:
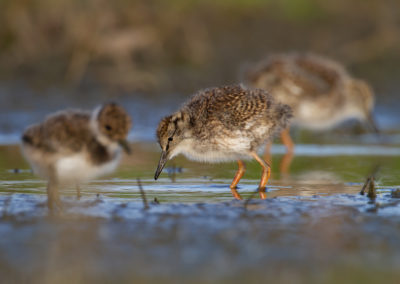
[(291, 240)]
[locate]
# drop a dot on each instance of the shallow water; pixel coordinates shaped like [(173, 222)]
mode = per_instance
[(313, 227)]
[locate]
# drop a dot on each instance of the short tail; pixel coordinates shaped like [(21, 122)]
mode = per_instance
[(284, 115)]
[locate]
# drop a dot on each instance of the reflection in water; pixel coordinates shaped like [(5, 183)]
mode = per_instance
[(318, 177), (173, 171)]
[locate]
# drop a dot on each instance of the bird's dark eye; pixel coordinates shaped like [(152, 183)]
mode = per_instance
[(170, 139), (108, 127)]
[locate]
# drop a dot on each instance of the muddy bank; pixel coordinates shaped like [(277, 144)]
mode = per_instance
[(296, 240)]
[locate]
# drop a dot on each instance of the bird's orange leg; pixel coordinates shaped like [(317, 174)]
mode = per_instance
[(267, 152), (238, 176), (288, 157), (285, 163), (266, 173), (53, 198), (287, 141)]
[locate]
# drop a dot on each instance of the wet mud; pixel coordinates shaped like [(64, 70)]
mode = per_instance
[(314, 226)]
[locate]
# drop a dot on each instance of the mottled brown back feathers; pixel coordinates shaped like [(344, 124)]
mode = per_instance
[(315, 75), (233, 106), (66, 129), (222, 111), (69, 131)]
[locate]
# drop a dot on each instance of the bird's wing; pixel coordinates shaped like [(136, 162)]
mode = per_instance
[(63, 131), (294, 78), (319, 75), (232, 106)]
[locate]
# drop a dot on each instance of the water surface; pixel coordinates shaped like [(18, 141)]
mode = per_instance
[(313, 227)]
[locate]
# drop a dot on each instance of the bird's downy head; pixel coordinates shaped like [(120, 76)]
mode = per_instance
[(171, 131), (114, 123), (361, 97)]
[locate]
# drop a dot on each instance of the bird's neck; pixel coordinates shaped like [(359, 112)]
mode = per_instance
[(110, 145)]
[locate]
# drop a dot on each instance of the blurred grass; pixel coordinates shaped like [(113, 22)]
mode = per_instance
[(180, 46)]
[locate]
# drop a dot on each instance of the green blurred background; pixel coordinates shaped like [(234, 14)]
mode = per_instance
[(181, 45)]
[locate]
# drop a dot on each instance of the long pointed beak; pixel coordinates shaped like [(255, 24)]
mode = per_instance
[(161, 164), (125, 145), (372, 124)]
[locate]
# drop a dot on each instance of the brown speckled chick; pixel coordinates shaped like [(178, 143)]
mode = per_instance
[(319, 90), (223, 124), (73, 146)]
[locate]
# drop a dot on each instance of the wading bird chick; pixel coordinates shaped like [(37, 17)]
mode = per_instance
[(75, 146), (320, 91), (223, 124)]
